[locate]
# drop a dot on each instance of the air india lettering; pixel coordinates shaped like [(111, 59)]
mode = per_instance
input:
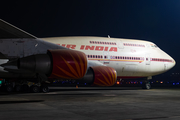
[(88, 47)]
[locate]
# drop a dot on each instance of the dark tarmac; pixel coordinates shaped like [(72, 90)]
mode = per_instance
[(92, 103)]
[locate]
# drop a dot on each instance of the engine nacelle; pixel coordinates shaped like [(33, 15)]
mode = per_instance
[(104, 76), (100, 76), (68, 64), (63, 64)]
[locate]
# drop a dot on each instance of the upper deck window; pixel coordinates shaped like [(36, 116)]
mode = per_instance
[(134, 45), (155, 46)]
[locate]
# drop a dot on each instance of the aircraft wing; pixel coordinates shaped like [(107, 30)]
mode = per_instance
[(9, 31), (30, 56)]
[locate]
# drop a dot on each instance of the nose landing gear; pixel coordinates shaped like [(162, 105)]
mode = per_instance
[(146, 84)]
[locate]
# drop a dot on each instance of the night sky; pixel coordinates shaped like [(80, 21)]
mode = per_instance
[(157, 21)]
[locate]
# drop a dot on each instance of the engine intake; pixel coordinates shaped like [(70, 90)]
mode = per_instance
[(64, 64)]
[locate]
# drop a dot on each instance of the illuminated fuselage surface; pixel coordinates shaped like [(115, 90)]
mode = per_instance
[(130, 58)]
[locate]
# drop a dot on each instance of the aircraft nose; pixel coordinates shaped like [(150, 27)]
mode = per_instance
[(171, 64)]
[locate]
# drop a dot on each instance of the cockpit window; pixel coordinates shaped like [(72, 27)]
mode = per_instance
[(153, 45)]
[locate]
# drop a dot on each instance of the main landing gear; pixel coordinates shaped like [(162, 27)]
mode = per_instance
[(33, 85), (40, 85), (37, 89), (29, 87)]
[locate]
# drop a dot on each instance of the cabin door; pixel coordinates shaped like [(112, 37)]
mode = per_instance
[(119, 44), (106, 57), (148, 59)]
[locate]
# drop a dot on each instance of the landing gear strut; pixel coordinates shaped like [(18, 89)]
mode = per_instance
[(30, 85), (146, 84), (42, 79)]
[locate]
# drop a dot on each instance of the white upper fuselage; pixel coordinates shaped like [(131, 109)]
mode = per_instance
[(130, 58)]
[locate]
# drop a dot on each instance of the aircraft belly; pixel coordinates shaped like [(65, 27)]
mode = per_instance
[(11, 48)]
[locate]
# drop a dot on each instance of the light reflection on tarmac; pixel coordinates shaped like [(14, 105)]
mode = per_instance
[(92, 103)]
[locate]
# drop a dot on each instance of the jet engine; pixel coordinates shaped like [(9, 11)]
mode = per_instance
[(100, 76), (68, 64), (63, 64)]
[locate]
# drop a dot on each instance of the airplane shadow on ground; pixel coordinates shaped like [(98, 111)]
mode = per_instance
[(59, 89), (20, 101), (94, 89)]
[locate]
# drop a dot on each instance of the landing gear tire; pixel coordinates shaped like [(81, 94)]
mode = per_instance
[(9, 88), (18, 88), (44, 88), (35, 89), (146, 85)]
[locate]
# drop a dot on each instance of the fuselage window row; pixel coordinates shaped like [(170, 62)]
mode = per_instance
[(161, 60), (104, 43), (128, 58), (134, 45), (116, 57), (113, 43)]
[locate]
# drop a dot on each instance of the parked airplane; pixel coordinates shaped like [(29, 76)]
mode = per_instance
[(94, 60)]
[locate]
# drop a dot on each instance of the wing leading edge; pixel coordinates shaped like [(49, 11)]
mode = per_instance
[(9, 31)]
